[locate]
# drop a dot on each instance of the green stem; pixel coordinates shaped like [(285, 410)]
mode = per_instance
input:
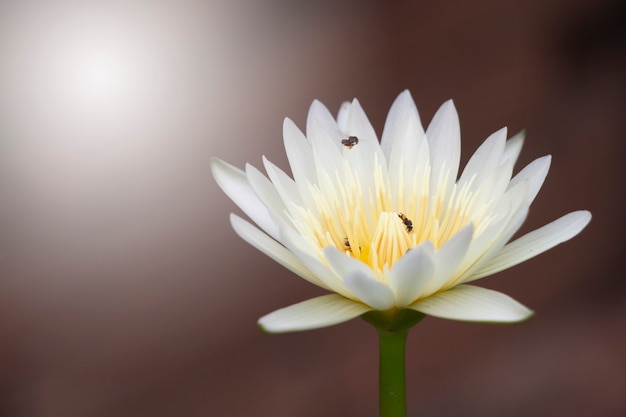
[(393, 328), (392, 373)]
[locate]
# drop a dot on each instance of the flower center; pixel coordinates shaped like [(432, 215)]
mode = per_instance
[(376, 225), (391, 240)]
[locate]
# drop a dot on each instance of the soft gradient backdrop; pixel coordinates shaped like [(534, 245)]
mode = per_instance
[(123, 290)]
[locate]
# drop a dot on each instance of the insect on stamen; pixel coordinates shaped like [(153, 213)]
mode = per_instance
[(407, 223)]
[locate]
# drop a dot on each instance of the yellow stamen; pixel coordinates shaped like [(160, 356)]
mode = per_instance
[(390, 242)]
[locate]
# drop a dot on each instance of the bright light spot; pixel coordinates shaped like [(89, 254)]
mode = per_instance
[(100, 75)]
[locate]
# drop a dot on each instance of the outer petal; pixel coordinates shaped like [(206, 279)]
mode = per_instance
[(359, 125), (370, 291), (410, 275), (444, 141), (305, 252), (470, 303), (534, 173), (536, 242), (485, 160), (299, 154), (342, 115), (344, 265), (402, 109), (327, 156), (323, 311), (273, 249), (285, 186), (318, 113), (267, 193), (234, 183), (513, 147), (409, 164), (368, 152), (511, 215), (449, 257)]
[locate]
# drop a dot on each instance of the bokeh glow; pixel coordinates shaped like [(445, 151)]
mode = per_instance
[(101, 74)]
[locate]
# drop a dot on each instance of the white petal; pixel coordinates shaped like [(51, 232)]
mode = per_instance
[(234, 183), (402, 109), (306, 252), (409, 160), (344, 265), (449, 257), (444, 141), (509, 218), (502, 178), (372, 292), (267, 193), (470, 303), (285, 186), (323, 311), (368, 151), (299, 154), (513, 201), (536, 242), (318, 113), (359, 125), (485, 160), (327, 155), (534, 173), (364, 161), (491, 190), (513, 147), (342, 116), (273, 249), (410, 275)]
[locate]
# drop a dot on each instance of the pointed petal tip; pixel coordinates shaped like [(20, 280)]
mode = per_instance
[(288, 124), (262, 327), (406, 94), (222, 170), (215, 163)]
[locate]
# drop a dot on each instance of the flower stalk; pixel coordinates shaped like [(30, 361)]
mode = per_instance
[(393, 329)]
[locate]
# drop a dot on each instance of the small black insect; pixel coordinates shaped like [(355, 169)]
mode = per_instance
[(407, 223), (346, 243), (350, 142)]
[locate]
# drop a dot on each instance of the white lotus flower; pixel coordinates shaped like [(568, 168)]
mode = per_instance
[(388, 225)]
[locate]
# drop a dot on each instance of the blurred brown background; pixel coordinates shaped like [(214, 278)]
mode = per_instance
[(123, 290)]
